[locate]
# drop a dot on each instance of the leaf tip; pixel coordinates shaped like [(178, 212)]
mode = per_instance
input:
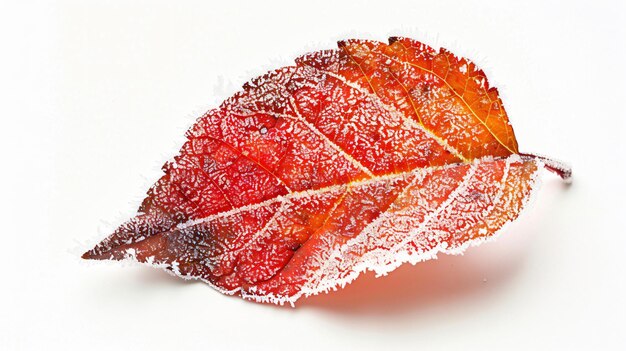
[(92, 255)]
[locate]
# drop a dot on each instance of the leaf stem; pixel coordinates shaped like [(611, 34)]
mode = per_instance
[(562, 169)]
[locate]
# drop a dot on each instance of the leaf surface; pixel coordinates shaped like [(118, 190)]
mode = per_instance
[(358, 158)]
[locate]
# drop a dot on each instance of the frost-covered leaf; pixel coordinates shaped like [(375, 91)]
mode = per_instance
[(363, 157)]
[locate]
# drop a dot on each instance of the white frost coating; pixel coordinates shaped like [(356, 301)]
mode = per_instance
[(372, 264), (394, 111), (391, 254), (259, 234), (359, 241), (401, 257), (479, 80), (307, 193), (131, 258), (317, 132)]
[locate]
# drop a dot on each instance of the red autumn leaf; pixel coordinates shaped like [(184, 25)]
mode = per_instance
[(358, 158)]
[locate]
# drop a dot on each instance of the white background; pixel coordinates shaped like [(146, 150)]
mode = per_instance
[(96, 95)]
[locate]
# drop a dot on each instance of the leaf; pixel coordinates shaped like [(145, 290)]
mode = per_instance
[(358, 158)]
